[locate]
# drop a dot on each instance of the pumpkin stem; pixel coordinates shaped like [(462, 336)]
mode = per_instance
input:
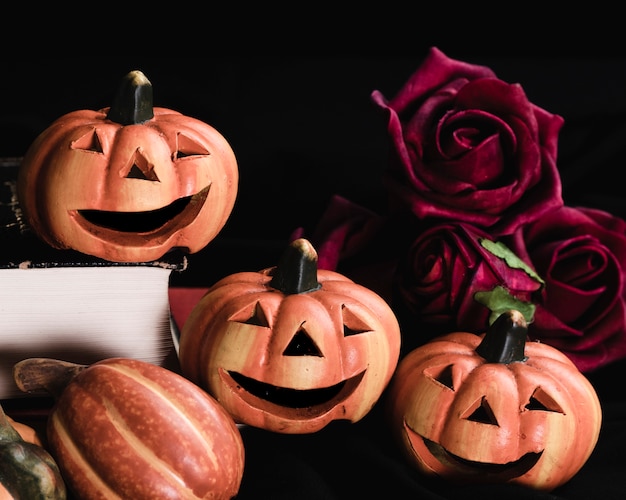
[(296, 271), (133, 102), (45, 375), (505, 339)]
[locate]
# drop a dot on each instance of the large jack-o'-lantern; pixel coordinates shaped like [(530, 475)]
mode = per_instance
[(494, 408), (130, 182), (291, 348)]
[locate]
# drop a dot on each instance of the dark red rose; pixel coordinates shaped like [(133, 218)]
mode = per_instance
[(343, 230), (469, 147), (581, 254), (356, 242), (456, 278)]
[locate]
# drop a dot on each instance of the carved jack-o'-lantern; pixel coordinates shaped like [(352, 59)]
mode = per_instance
[(494, 408), (291, 348), (130, 182)]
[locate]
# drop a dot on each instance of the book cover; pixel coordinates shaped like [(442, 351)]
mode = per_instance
[(71, 306)]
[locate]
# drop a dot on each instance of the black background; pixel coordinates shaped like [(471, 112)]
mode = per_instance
[(304, 128)]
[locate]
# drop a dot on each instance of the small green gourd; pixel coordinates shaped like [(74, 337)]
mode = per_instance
[(27, 471)]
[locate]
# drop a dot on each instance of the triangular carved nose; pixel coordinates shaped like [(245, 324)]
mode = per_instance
[(141, 168), (302, 345), (482, 413)]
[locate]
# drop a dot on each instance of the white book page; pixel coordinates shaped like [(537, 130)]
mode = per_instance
[(83, 314)]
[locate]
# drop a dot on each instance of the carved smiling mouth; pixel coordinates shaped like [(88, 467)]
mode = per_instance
[(177, 214), (482, 471), (295, 402)]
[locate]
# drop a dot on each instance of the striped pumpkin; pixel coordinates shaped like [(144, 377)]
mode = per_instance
[(123, 428)]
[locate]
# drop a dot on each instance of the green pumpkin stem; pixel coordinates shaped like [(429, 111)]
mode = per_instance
[(296, 271), (505, 339), (133, 102), (34, 375)]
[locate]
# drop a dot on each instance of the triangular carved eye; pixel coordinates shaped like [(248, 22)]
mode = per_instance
[(88, 142), (141, 168), (541, 401), (188, 147), (480, 412), (441, 374), (302, 345), (251, 316), (352, 324)]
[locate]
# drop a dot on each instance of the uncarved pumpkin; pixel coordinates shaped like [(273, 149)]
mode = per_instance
[(291, 348), (130, 182), (494, 408), (123, 428)]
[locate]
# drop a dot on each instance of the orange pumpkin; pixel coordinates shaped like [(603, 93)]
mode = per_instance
[(291, 348), (130, 182), (494, 408), (123, 428)]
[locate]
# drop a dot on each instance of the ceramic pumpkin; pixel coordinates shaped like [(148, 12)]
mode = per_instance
[(494, 408), (123, 428), (291, 348), (130, 182)]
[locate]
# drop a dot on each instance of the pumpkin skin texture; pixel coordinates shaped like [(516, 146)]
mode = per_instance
[(130, 182), (27, 470), (525, 415), (291, 348), (122, 428)]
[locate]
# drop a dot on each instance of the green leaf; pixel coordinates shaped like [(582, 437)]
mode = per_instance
[(500, 300), (503, 252)]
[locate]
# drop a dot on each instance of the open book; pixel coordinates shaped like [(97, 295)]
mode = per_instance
[(71, 306)]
